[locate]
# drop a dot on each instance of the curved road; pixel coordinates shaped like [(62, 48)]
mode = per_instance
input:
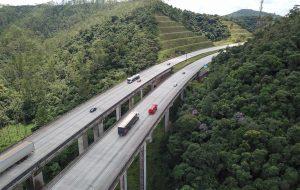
[(57, 134), (101, 166)]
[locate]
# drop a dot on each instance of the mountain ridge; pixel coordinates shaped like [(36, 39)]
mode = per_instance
[(249, 12)]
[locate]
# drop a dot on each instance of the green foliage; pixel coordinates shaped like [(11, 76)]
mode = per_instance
[(245, 134), (208, 25), (12, 134), (45, 72)]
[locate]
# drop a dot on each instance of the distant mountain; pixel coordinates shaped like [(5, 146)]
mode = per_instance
[(249, 13), (248, 18)]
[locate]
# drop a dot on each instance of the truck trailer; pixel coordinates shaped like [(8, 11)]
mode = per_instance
[(127, 123)]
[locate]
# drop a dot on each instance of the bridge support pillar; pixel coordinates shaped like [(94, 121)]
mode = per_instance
[(96, 133), (143, 169), (182, 95), (152, 86), (118, 112), (98, 130), (101, 128), (141, 93), (83, 143), (123, 181), (167, 119), (38, 181), (131, 102)]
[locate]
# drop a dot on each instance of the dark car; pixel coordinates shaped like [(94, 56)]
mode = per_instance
[(92, 110)]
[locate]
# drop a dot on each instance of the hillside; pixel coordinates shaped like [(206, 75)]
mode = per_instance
[(249, 13), (45, 72), (54, 57), (240, 128), (248, 18), (175, 39), (237, 34)]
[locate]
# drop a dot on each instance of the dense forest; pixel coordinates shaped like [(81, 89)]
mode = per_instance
[(42, 77), (53, 57), (249, 19), (209, 25), (240, 127)]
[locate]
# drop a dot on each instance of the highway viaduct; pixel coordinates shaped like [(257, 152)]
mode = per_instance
[(105, 164), (53, 138)]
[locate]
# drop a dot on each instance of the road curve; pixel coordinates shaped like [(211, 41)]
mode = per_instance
[(57, 134), (99, 168)]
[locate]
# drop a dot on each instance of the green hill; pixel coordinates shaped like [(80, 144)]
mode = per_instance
[(175, 39), (249, 13), (240, 127), (248, 18)]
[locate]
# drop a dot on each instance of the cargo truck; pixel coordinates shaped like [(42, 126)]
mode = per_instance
[(127, 123)]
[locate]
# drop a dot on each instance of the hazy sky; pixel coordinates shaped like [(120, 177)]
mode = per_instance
[(221, 7)]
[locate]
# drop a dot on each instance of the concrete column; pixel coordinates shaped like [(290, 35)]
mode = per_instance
[(118, 112), (182, 95), (96, 133), (167, 118), (98, 130), (152, 86), (123, 181), (83, 143), (131, 102), (101, 128), (143, 169), (141, 93), (38, 181)]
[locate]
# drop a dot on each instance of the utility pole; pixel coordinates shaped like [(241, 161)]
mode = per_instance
[(260, 13)]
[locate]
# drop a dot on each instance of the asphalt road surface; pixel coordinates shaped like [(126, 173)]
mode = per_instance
[(54, 135), (103, 163)]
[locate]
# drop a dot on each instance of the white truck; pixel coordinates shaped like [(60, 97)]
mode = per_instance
[(15, 154)]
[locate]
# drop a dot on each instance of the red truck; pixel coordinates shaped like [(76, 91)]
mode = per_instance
[(153, 109)]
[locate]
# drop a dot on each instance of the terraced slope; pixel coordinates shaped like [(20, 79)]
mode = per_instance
[(175, 39), (238, 34)]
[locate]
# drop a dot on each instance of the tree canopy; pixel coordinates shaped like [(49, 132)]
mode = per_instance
[(245, 131)]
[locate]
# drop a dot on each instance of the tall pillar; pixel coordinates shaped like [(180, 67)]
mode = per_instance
[(143, 169), (152, 86), (83, 142), (167, 118), (182, 95), (118, 112), (96, 133), (38, 181), (123, 181), (141, 93), (131, 102), (98, 130), (101, 128)]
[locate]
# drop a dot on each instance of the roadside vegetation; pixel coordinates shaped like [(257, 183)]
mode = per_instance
[(12, 134), (239, 129), (237, 34)]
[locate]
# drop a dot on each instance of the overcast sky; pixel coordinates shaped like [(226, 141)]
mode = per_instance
[(221, 7)]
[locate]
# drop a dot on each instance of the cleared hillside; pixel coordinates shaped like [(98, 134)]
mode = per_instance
[(237, 34), (175, 39)]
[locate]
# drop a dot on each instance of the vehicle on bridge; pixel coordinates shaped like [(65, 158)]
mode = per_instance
[(133, 78), (93, 109), (16, 154), (128, 123), (153, 109)]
